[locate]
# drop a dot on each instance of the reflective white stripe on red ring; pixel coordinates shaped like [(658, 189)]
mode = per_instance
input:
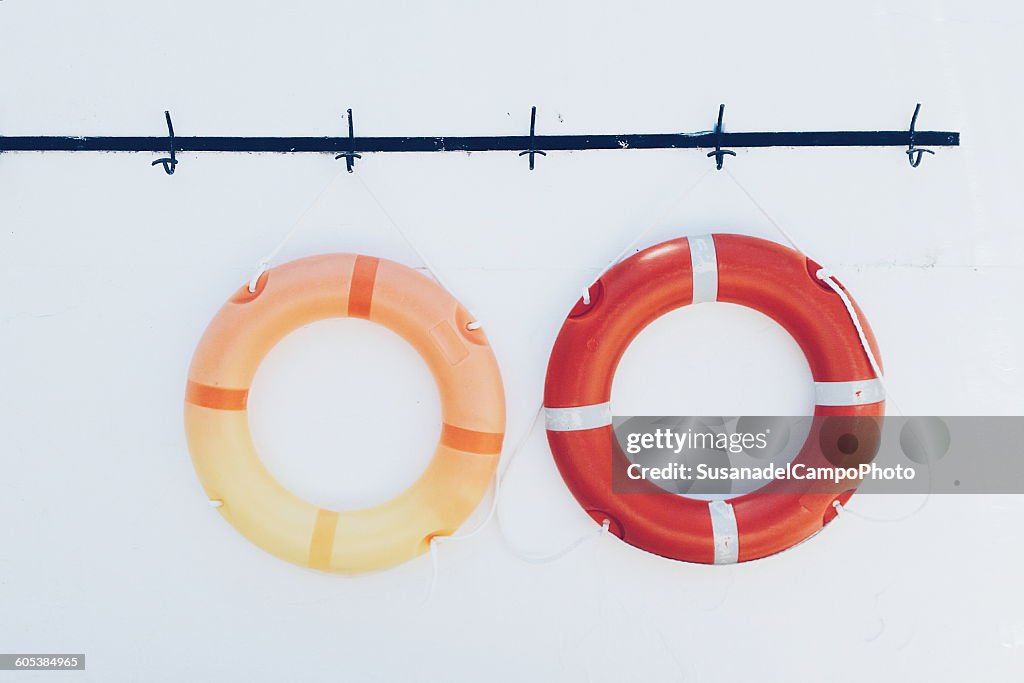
[(856, 393), (578, 418), (723, 528), (704, 266)]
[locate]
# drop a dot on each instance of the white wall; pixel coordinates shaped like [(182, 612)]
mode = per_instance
[(110, 271)]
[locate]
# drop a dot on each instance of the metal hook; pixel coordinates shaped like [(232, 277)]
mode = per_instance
[(914, 154), (533, 144), (719, 153), (350, 155), (168, 162)]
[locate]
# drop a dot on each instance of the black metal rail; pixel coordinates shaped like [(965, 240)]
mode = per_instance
[(351, 147)]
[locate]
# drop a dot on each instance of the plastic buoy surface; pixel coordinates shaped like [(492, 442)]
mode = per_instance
[(421, 312), (762, 275)]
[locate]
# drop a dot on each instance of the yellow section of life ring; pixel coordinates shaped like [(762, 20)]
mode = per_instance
[(425, 315)]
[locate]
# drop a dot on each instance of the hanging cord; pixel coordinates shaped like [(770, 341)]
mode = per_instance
[(527, 555), (767, 216), (537, 558), (494, 514), (826, 276), (842, 510), (631, 246), (475, 324), (269, 258), (436, 541)]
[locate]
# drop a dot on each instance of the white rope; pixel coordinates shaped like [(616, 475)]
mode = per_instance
[(827, 277), (768, 217), (475, 323), (536, 558), (499, 474), (643, 233), (842, 510), (269, 258), (526, 555), (494, 514)]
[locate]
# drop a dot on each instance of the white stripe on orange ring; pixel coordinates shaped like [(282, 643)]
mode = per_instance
[(704, 266), (578, 418), (726, 535), (856, 393)]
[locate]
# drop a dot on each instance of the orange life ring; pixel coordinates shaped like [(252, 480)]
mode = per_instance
[(406, 302), (762, 275)]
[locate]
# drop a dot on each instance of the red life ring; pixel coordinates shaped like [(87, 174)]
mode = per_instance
[(768, 277)]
